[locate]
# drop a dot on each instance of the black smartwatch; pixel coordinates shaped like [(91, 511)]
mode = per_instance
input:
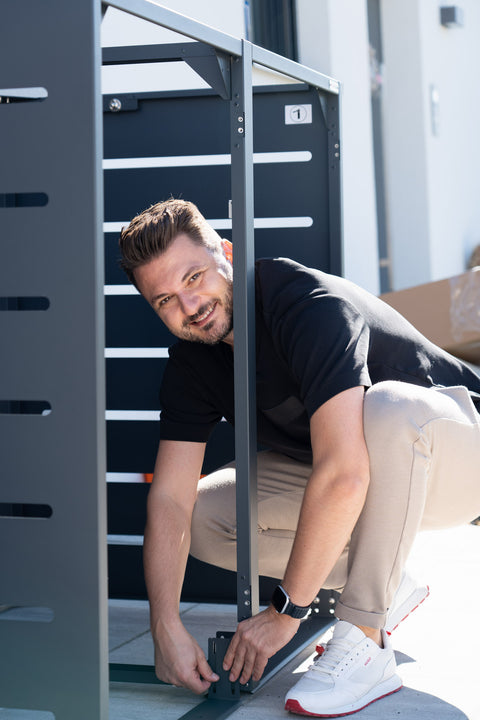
[(282, 604)]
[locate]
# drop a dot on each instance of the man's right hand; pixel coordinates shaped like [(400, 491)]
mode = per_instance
[(180, 661)]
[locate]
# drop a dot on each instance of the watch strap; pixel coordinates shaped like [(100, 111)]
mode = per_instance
[(284, 606)]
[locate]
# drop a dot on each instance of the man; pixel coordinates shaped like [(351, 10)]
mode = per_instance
[(372, 433)]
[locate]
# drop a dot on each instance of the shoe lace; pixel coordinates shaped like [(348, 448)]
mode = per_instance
[(331, 657)]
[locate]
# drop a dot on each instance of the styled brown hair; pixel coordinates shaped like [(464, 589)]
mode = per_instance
[(151, 232)]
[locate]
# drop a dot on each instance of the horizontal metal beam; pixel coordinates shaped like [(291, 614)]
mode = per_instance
[(127, 672), (211, 709), (224, 42), (179, 23), (167, 52), (212, 65), (294, 70)]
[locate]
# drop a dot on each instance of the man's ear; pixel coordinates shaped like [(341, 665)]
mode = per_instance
[(228, 250)]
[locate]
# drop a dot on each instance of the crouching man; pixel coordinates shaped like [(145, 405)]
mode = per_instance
[(372, 435)]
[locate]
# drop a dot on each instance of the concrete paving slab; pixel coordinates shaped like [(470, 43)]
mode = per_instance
[(149, 702), (437, 649), (126, 621)]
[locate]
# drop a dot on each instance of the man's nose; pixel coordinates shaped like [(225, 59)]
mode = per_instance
[(189, 303)]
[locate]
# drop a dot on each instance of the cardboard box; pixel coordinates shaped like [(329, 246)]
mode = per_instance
[(447, 312)]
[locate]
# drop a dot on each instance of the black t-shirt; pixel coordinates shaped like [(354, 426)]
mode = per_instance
[(317, 335)]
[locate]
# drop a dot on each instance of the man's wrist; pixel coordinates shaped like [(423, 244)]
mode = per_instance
[(162, 626), (283, 605)]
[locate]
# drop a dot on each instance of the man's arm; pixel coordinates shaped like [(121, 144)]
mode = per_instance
[(178, 658), (332, 502)]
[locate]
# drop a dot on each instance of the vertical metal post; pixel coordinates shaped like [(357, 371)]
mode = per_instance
[(332, 103), (53, 560), (241, 124)]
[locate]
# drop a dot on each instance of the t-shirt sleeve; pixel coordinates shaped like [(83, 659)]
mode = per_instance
[(186, 412), (320, 334)]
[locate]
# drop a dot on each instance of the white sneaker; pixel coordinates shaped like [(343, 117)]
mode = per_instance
[(408, 597), (352, 672)]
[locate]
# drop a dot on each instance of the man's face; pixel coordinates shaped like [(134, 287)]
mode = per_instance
[(191, 290)]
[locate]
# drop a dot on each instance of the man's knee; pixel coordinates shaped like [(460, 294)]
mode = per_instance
[(397, 406), (213, 527)]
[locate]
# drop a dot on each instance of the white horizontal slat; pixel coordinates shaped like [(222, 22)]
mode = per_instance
[(125, 539), (202, 160), (129, 477), (132, 352), (148, 415), (136, 415), (226, 223), (120, 290)]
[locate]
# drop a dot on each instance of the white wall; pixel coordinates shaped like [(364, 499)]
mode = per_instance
[(119, 28), (432, 180), (433, 174), (452, 63), (333, 38)]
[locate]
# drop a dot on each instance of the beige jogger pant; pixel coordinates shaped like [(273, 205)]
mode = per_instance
[(424, 449)]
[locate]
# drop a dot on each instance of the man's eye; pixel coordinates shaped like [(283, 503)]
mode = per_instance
[(163, 301), (194, 277)]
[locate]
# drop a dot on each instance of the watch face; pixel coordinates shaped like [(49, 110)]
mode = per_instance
[(279, 599)]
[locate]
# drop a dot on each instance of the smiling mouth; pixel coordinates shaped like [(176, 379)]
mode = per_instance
[(204, 315)]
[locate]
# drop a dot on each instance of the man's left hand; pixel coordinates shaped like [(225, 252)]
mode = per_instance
[(255, 641)]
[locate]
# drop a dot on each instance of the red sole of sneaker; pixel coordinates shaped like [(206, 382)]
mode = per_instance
[(389, 632), (295, 707)]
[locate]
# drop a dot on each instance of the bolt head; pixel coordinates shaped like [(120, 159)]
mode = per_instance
[(115, 105)]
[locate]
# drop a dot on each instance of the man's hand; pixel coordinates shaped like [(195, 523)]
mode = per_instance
[(255, 641), (180, 661)]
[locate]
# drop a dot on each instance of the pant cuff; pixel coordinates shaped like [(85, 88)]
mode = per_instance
[(360, 617)]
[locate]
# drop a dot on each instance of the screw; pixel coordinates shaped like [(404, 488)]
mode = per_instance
[(247, 603), (246, 592), (115, 105), (240, 130), (240, 118)]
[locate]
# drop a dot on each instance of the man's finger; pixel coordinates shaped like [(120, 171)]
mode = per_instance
[(248, 665), (197, 684), (206, 671), (230, 654), (238, 662), (259, 666)]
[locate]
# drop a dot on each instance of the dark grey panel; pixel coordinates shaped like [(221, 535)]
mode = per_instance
[(133, 383), (131, 322), (132, 446), (51, 189)]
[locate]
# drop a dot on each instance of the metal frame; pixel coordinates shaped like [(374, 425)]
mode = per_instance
[(229, 61), (54, 146)]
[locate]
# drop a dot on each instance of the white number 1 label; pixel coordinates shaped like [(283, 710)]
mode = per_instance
[(298, 114)]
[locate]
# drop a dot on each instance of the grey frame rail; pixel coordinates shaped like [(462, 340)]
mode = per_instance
[(53, 499), (240, 55)]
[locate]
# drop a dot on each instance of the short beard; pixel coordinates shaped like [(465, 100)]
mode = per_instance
[(223, 331)]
